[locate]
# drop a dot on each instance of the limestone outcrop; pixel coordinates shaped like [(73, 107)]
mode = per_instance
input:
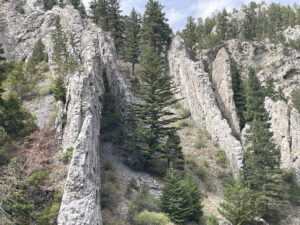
[(222, 81), (285, 127), (198, 95)]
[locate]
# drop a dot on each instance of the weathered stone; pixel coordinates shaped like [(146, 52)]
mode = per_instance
[(198, 95), (221, 78)]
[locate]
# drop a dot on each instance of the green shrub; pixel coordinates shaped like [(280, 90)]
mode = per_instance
[(185, 113), (59, 89), (212, 220), (67, 156), (200, 142), (50, 213), (132, 185), (36, 179), (201, 173), (5, 146), (184, 123), (21, 11), (221, 157), (294, 188), (109, 196), (151, 218), (177, 105), (296, 99)]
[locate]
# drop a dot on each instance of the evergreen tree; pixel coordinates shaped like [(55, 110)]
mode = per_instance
[(155, 30), (250, 23), (222, 25), (181, 199), (189, 36), (49, 4), (59, 89), (240, 206), (60, 47), (99, 12), (152, 117), (262, 159), (238, 91), (175, 201), (195, 207), (2, 78), (132, 53), (173, 151), (254, 99), (115, 23)]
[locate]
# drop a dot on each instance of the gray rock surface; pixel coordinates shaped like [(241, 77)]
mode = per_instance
[(19, 33), (198, 95), (285, 125), (222, 81)]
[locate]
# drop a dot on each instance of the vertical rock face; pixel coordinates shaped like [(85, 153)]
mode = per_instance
[(222, 81), (93, 49), (285, 125), (198, 95)]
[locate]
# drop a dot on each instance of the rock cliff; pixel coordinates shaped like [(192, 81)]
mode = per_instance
[(198, 96)]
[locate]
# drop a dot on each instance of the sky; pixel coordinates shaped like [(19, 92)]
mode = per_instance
[(178, 10)]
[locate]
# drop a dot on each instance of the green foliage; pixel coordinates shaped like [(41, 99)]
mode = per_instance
[(184, 123), (189, 36), (254, 99), (77, 4), (50, 213), (262, 159), (151, 121), (21, 11), (49, 4), (221, 157), (67, 156), (144, 200), (15, 118), (185, 113), (59, 90), (181, 199), (133, 26), (238, 91), (5, 146), (107, 15), (17, 201), (154, 218), (296, 99), (240, 206), (212, 220), (295, 44), (294, 188), (155, 31)]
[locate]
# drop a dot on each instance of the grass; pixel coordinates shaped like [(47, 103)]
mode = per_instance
[(221, 157)]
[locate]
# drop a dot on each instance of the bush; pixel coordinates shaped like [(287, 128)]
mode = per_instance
[(50, 213), (109, 196), (59, 89), (294, 188), (200, 142), (184, 123), (67, 156), (185, 113), (212, 220), (296, 99), (36, 179), (221, 157), (151, 218), (201, 173), (5, 146)]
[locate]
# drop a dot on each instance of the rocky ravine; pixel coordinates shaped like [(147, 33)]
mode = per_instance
[(198, 95)]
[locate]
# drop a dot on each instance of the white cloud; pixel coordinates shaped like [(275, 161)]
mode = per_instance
[(175, 17)]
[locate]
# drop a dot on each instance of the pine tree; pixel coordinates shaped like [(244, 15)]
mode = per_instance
[(155, 30), (250, 23), (115, 23), (222, 25), (262, 159), (99, 12), (132, 53), (152, 117), (189, 36), (254, 99), (238, 91), (195, 207), (173, 151), (175, 201), (49, 4), (60, 47), (240, 206), (59, 89)]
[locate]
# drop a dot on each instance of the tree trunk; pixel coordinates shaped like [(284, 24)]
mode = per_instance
[(132, 70)]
